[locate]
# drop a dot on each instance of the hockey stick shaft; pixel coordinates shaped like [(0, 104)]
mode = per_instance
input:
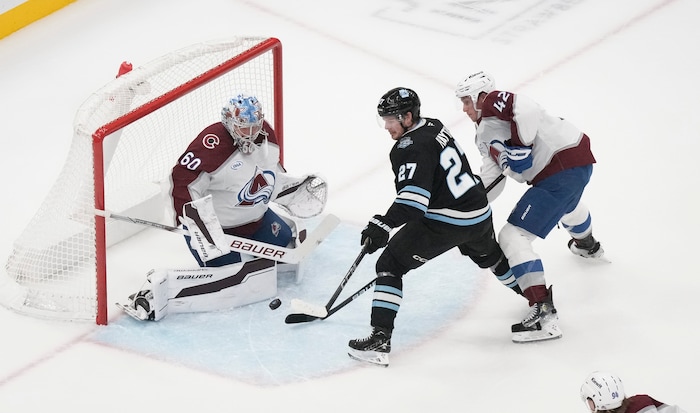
[(351, 298), (495, 182), (249, 246), (349, 274), (304, 316), (139, 221)]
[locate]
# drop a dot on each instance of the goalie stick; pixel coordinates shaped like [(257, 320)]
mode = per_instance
[(249, 246), (305, 309), (306, 312)]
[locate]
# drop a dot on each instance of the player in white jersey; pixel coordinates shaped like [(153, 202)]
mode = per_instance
[(226, 180), (604, 392), (518, 138)]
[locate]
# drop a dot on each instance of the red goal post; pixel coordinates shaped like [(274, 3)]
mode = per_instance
[(127, 137)]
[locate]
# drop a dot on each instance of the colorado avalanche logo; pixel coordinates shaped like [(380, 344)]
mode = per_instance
[(258, 189), (275, 228), (210, 141)]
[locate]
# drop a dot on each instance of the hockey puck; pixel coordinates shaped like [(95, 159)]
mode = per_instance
[(275, 304)]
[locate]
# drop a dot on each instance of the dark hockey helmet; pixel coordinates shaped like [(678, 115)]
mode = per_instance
[(399, 101)]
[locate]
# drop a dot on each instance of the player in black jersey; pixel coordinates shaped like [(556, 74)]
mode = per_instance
[(441, 205)]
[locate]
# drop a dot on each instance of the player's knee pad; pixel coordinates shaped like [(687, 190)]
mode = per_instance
[(515, 241), (388, 263)]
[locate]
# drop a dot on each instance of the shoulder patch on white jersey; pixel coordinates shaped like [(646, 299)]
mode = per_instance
[(210, 141)]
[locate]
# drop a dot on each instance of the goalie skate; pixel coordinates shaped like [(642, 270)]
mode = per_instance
[(138, 309), (133, 313)]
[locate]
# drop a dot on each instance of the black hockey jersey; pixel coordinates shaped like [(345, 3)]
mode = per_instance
[(434, 180)]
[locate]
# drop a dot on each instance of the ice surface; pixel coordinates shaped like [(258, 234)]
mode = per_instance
[(622, 72)]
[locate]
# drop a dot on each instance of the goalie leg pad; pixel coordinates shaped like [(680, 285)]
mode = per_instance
[(221, 288), (203, 289)]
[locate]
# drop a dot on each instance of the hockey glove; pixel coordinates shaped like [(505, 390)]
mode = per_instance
[(377, 232), (517, 158)]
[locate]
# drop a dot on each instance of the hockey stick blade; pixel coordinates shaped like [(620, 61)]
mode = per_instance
[(301, 317), (296, 318), (300, 306), (318, 311)]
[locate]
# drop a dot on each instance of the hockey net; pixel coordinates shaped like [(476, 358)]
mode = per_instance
[(127, 137)]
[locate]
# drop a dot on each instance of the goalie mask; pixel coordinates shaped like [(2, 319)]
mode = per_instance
[(243, 118), (602, 391), (474, 85)]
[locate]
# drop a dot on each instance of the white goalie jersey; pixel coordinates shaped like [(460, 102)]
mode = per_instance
[(218, 189), (241, 185)]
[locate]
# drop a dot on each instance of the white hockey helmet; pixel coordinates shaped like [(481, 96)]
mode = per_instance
[(243, 118), (604, 389), (475, 84)]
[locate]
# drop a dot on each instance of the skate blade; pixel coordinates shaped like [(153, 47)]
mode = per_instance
[(547, 332), (130, 311), (372, 357)]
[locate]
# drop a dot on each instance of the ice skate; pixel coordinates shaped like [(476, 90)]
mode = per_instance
[(139, 306), (541, 323), (547, 329), (373, 349), (587, 247), (539, 311)]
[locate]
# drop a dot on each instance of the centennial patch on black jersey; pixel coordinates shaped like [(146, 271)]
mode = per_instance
[(405, 142)]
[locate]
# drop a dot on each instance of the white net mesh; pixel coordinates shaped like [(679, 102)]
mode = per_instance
[(52, 269)]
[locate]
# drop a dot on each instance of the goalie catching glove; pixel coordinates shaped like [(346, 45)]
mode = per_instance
[(377, 232), (303, 198)]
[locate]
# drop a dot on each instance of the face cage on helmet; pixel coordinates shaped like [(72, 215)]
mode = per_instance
[(246, 144), (243, 133)]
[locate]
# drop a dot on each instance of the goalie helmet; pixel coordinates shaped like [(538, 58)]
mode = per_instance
[(243, 118), (399, 101), (604, 390), (474, 85)]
